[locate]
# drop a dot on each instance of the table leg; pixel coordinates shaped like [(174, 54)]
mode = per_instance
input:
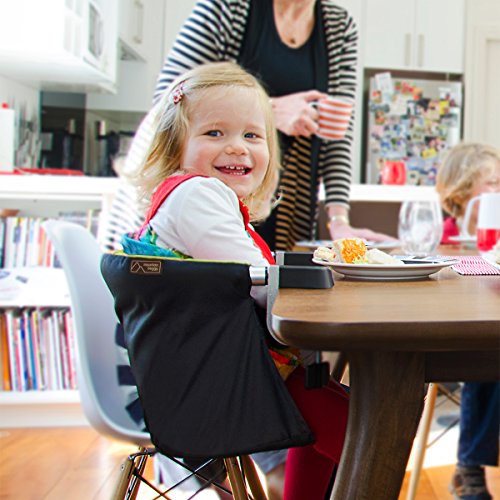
[(387, 395)]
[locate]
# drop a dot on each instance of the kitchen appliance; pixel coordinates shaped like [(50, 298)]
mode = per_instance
[(110, 145), (411, 122), (62, 147)]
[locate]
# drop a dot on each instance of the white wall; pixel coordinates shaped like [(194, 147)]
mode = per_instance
[(482, 72)]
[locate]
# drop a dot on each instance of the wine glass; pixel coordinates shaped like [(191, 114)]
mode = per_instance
[(420, 227)]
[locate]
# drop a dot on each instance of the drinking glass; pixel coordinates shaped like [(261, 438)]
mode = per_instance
[(420, 227)]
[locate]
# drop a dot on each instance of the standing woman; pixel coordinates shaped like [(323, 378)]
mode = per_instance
[(300, 50)]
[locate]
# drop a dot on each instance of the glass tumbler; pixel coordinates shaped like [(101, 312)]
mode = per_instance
[(420, 227)]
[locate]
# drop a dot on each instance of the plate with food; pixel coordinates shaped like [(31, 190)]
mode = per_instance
[(351, 257)]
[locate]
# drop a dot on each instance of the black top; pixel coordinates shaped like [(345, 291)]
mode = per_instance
[(282, 69)]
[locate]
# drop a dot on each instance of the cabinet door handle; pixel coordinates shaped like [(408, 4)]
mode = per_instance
[(139, 6), (407, 49), (420, 60)]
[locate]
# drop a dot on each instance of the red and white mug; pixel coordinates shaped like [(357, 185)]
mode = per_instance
[(334, 116), (488, 220)]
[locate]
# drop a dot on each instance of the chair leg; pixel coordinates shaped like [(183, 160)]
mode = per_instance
[(128, 483), (253, 478), (421, 439), (236, 478), (339, 367)]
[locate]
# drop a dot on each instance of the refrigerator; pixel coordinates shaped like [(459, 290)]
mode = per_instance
[(411, 123)]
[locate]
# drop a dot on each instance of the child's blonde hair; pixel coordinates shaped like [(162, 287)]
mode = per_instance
[(164, 156), (461, 167)]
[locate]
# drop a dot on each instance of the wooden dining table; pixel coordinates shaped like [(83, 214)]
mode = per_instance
[(397, 336)]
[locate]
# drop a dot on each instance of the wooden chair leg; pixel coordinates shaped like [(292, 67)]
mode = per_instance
[(421, 440), (339, 367), (236, 478), (253, 478)]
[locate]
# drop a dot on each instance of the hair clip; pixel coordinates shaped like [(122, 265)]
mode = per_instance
[(178, 93)]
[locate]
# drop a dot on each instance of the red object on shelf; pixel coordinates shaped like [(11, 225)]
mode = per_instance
[(393, 172), (43, 171)]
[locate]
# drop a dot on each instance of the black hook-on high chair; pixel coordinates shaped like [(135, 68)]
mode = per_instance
[(197, 348)]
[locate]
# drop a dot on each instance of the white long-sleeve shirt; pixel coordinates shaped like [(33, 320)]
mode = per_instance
[(201, 218)]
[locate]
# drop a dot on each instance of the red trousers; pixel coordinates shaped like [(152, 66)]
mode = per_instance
[(309, 468)]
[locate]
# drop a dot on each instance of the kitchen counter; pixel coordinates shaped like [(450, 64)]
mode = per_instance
[(49, 195), (380, 193), (374, 206), (377, 206)]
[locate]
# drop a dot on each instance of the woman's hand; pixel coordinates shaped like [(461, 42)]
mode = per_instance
[(347, 231), (294, 114), (340, 227)]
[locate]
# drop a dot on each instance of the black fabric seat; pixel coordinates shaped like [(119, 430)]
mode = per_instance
[(198, 352)]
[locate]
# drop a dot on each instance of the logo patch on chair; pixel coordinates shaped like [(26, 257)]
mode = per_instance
[(145, 266)]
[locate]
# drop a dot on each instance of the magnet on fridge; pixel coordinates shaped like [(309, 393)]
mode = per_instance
[(383, 82)]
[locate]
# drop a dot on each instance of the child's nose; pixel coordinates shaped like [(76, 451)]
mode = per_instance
[(236, 147)]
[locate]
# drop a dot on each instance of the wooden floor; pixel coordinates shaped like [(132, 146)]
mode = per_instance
[(77, 463)]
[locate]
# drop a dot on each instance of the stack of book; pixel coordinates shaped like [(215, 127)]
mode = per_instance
[(37, 349)]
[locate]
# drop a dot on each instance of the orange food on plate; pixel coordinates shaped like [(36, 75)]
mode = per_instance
[(349, 249)]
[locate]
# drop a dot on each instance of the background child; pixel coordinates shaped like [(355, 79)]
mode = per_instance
[(212, 169), (467, 171)]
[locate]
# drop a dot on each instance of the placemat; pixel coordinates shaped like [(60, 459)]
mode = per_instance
[(474, 265)]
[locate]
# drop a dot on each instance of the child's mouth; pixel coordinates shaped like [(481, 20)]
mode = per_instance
[(234, 169)]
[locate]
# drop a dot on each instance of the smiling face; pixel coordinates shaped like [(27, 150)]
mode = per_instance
[(227, 139)]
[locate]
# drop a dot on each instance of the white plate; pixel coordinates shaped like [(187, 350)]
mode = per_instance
[(466, 241), (383, 245), (328, 243), (489, 257), (314, 243), (387, 273)]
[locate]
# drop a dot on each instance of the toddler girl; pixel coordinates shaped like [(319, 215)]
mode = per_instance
[(211, 169), (467, 170)]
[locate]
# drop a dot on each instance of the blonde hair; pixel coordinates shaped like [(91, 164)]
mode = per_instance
[(172, 127), (461, 167)]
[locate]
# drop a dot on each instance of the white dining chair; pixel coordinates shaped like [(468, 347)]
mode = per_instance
[(102, 397)]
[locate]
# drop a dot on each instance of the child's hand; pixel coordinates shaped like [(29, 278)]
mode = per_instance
[(294, 114)]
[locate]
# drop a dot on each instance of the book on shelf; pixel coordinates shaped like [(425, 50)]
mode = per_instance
[(4, 355), (38, 349), (23, 241)]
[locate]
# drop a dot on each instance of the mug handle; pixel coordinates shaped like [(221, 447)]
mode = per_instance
[(468, 211)]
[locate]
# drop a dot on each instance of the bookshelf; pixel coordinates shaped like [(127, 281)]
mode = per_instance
[(47, 196)]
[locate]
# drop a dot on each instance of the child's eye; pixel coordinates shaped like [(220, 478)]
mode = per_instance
[(251, 135), (214, 133)]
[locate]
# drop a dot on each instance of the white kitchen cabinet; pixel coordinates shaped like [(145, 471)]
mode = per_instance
[(141, 35), (138, 72), (61, 45), (422, 35), (175, 15), (482, 72), (133, 27)]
